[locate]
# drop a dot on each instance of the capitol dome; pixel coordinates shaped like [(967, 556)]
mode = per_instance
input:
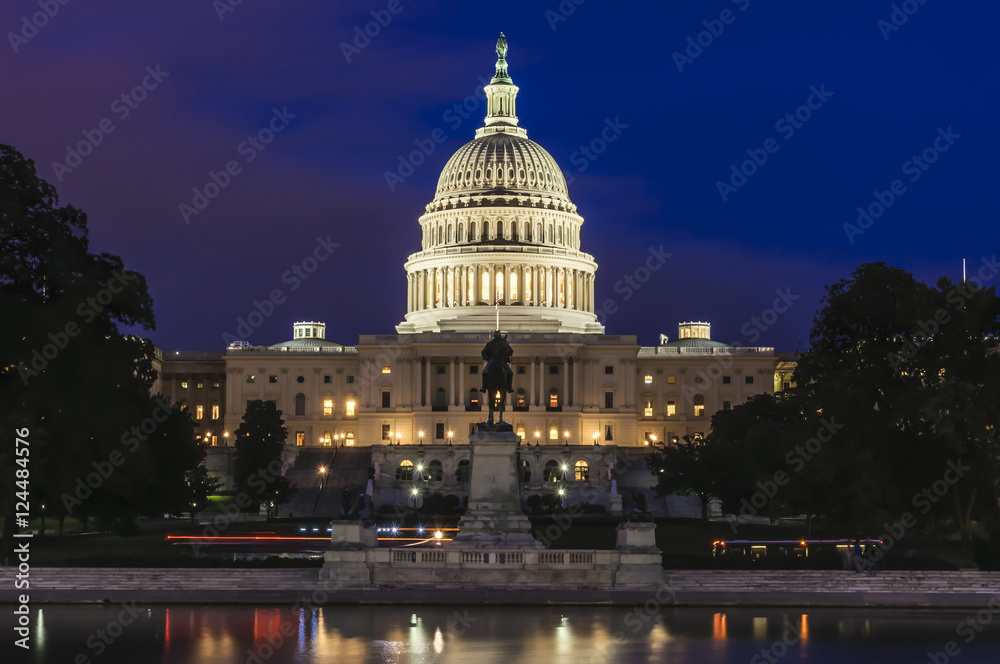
[(501, 230), (501, 161)]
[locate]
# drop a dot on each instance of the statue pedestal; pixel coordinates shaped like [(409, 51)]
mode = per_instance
[(494, 518), (346, 561)]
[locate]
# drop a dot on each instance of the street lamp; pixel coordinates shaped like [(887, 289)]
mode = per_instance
[(566, 437), (421, 434), (399, 438), (450, 434), (537, 434), (323, 474), (225, 434)]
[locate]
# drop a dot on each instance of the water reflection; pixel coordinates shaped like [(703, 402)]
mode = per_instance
[(502, 635)]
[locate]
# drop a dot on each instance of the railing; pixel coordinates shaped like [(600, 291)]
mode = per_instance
[(712, 350)]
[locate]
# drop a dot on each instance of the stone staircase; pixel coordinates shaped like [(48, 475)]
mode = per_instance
[(346, 467)]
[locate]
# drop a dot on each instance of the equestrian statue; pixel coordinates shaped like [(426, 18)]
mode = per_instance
[(497, 379)]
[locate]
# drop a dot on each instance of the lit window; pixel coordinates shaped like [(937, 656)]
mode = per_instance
[(308, 332), (485, 295), (300, 438), (472, 286), (581, 471), (349, 409), (513, 286), (647, 410), (671, 380), (215, 441), (405, 470), (199, 411), (386, 432), (184, 384), (215, 384), (215, 411), (527, 286), (671, 408), (328, 407), (350, 440), (199, 385), (553, 434), (386, 369), (327, 439), (562, 290), (499, 280), (554, 398), (648, 380), (699, 405)]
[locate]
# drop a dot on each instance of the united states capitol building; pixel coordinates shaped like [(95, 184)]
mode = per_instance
[(501, 233)]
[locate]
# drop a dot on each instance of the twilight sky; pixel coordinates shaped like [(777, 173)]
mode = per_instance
[(212, 75)]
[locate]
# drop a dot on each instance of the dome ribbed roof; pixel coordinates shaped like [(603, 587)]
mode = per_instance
[(696, 343), (501, 161), (307, 343)]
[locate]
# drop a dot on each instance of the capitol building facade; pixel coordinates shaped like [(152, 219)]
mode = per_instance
[(501, 234)]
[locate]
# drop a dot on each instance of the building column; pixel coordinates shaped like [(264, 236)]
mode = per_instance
[(531, 385), (427, 383), (419, 279), (461, 383), (565, 399), (577, 383), (451, 382)]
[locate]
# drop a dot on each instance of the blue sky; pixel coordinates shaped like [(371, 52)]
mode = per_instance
[(694, 89)]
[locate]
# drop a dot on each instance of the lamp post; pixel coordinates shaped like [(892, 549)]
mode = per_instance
[(421, 434), (225, 435), (537, 434), (324, 475), (566, 437), (450, 434), (399, 438), (597, 435)]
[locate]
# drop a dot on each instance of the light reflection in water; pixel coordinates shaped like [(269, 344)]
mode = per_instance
[(507, 635)]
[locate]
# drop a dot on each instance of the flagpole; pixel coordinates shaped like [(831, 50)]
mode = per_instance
[(498, 312)]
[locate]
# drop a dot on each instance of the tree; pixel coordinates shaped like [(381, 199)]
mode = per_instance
[(200, 485), (686, 468), (905, 378), (68, 373), (260, 442)]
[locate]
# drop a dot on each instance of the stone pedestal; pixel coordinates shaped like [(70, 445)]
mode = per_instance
[(641, 563), (494, 518), (345, 562)]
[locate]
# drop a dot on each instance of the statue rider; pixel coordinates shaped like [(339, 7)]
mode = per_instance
[(498, 350)]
